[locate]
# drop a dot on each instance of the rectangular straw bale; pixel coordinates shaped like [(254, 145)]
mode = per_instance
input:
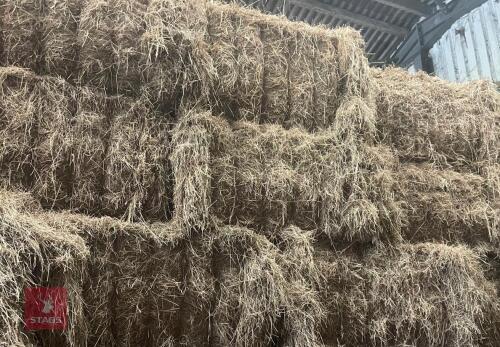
[(95, 38), (276, 45), (265, 177), (236, 50), (385, 298), (33, 253), (302, 77), (56, 108), (111, 56), (21, 33), (137, 175), (134, 286), (425, 118), (326, 80), (172, 41), (90, 133), (60, 45), (250, 290), (18, 110), (444, 205)]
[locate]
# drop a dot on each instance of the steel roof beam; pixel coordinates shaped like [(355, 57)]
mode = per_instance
[(352, 17), (410, 6)]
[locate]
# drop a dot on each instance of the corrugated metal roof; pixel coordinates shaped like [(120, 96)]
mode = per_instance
[(470, 49), (383, 23)]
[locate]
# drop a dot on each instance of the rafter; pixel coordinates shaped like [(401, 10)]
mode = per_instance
[(412, 6), (351, 17)]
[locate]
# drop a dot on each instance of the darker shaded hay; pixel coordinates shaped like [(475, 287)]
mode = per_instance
[(134, 279), (266, 177), (424, 118), (427, 294)]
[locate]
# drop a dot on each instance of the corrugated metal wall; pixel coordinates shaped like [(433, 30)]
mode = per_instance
[(470, 50)]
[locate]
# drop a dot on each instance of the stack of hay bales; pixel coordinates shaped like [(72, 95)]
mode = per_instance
[(271, 188)]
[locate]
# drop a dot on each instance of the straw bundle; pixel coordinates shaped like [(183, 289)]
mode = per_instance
[(134, 284), (35, 254), (303, 311), (445, 205), (250, 286), (18, 108), (110, 55), (386, 298), (424, 118), (173, 37), (236, 49), (55, 109), (266, 177), (89, 135), (136, 182), (21, 33), (60, 45)]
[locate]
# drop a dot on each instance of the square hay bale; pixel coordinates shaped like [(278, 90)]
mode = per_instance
[(18, 118), (134, 286), (60, 37), (423, 294), (276, 40), (303, 311), (111, 57), (236, 49), (21, 33), (89, 136), (35, 254), (52, 175), (250, 288), (137, 178), (266, 177), (425, 118), (173, 44), (444, 205)]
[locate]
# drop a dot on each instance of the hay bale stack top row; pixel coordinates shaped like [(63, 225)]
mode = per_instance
[(249, 65)]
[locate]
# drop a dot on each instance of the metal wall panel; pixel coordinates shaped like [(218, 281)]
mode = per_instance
[(470, 50)]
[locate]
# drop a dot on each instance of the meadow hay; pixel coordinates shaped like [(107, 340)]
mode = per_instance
[(387, 298), (136, 183), (21, 33), (172, 42), (35, 254), (303, 311), (444, 205), (17, 124), (250, 286), (89, 135), (424, 118), (266, 177), (60, 37), (236, 49), (134, 284), (111, 57), (55, 109)]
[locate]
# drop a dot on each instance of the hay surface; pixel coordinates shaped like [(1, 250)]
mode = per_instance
[(21, 33), (137, 178), (132, 292), (444, 205), (32, 253), (18, 108), (423, 294), (424, 118), (60, 37), (266, 177)]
